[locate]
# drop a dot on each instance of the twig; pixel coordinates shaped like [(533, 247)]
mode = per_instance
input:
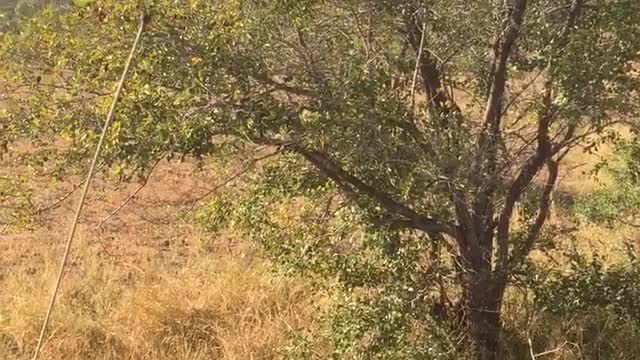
[(249, 165), (131, 197), (548, 351), (533, 356), (58, 202), (85, 189)]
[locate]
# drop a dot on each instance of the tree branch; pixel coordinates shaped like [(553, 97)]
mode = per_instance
[(544, 153), (545, 206), (351, 184), (515, 10), (526, 175), (490, 137)]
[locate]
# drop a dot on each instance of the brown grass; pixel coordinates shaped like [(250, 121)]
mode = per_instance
[(213, 308), (148, 285)]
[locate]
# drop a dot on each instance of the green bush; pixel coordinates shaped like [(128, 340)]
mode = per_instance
[(588, 285), (616, 203), (609, 205)]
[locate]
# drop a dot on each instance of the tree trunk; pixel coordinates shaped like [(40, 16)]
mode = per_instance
[(482, 303)]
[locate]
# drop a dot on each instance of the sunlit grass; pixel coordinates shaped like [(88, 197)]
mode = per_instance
[(215, 307)]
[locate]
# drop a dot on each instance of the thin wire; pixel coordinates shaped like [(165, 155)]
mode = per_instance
[(85, 190)]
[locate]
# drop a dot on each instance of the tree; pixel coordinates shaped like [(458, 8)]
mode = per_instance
[(415, 122)]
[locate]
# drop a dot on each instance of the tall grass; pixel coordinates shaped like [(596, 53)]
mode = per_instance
[(214, 308)]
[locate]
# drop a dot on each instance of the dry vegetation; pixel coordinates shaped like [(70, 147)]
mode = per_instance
[(147, 285)]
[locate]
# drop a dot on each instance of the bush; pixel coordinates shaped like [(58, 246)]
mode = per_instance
[(616, 203), (610, 205), (597, 304)]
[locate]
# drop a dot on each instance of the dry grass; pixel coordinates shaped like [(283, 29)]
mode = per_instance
[(214, 308), (148, 285), (597, 334)]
